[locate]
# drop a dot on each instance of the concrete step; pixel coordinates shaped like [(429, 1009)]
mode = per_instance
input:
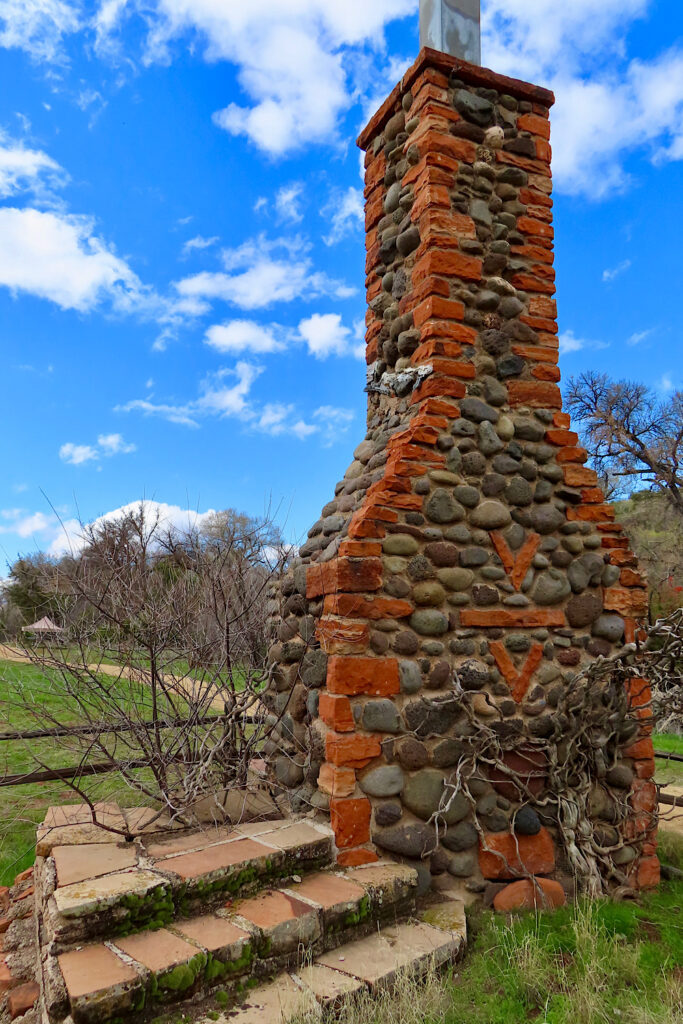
[(96, 889), (243, 942), (370, 964)]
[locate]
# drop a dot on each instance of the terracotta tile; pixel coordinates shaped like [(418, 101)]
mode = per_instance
[(21, 999), (328, 890), (271, 908), (211, 932), (157, 950), (76, 863), (215, 858), (158, 847), (93, 969)]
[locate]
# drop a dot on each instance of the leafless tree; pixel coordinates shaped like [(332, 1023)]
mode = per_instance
[(631, 434), (163, 660)]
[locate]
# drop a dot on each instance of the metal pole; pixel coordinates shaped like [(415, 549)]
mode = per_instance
[(452, 26)]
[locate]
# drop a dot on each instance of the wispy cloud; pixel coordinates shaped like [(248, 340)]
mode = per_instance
[(570, 343), (107, 446), (346, 211), (246, 336), (197, 244), (640, 336), (666, 382), (38, 26), (615, 272), (288, 202)]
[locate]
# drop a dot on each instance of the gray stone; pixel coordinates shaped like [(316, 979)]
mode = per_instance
[(313, 668), (489, 442), (400, 544), (529, 430), (551, 587), (408, 241), (510, 307), (429, 593), (388, 814), (473, 108), (610, 575), (391, 201), (527, 822), (442, 507), (406, 840), (448, 752), (466, 495), (412, 754), (473, 674), (475, 409), (624, 855), (381, 716), (473, 557), (497, 821), (410, 675), (462, 865), (463, 837), (385, 781), (288, 772), (621, 777), (490, 515), (428, 622), (496, 393), (609, 627), (456, 579), (424, 792), (547, 519), (435, 717), (480, 214), (583, 609), (519, 491)]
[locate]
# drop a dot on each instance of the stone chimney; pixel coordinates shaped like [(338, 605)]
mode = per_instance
[(427, 643)]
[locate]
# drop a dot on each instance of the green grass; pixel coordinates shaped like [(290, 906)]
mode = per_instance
[(669, 771)]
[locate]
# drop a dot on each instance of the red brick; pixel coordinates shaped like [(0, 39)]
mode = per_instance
[(437, 308), (509, 856), (631, 601), (22, 999), (336, 781), (350, 821), (643, 796), (344, 574), (447, 263), (530, 894), (533, 282), (526, 768), (645, 769), (572, 455), (529, 226), (453, 368), (339, 637), (629, 578), (7, 979), (524, 618), (542, 353), (374, 677), (351, 751), (517, 679), (438, 386), (430, 195), (448, 330), (356, 858), (535, 125), (360, 548), (562, 437), (436, 221), (533, 252), (336, 711), (592, 495), (436, 347), (374, 608), (640, 749), (545, 372), (537, 395), (579, 476), (437, 142), (649, 873)]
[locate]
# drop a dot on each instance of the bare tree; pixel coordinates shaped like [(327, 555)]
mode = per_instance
[(631, 435), (163, 661)]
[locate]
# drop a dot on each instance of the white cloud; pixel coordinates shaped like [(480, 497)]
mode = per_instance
[(107, 445), (259, 273), (22, 523), (325, 335), (24, 168), (570, 343), (666, 383), (198, 243), (288, 202), (612, 273), (333, 422), (38, 26), (290, 55), (347, 213), (59, 257), (639, 336), (245, 336)]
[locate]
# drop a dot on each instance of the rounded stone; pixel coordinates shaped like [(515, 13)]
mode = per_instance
[(442, 553), (467, 496), (473, 674), (551, 587), (462, 865), (407, 840), (288, 772), (410, 675), (456, 579), (621, 777), (429, 593), (583, 609), (489, 441), (440, 675), (423, 794), (490, 515), (412, 754), (400, 544), (473, 108), (547, 519), (381, 716), (461, 837), (609, 627), (408, 241), (388, 814), (443, 508), (527, 822), (519, 491), (428, 622), (385, 781), (448, 752), (475, 409)]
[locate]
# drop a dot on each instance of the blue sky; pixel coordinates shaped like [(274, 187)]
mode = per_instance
[(181, 243)]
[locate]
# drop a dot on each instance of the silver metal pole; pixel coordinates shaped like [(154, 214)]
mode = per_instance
[(452, 26)]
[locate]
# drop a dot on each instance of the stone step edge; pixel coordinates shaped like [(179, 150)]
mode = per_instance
[(324, 989), (158, 895), (386, 891)]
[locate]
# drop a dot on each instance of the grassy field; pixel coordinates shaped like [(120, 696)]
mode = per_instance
[(669, 771)]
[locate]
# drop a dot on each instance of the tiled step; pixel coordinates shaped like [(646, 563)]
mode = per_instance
[(364, 965), (98, 889), (244, 941)]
